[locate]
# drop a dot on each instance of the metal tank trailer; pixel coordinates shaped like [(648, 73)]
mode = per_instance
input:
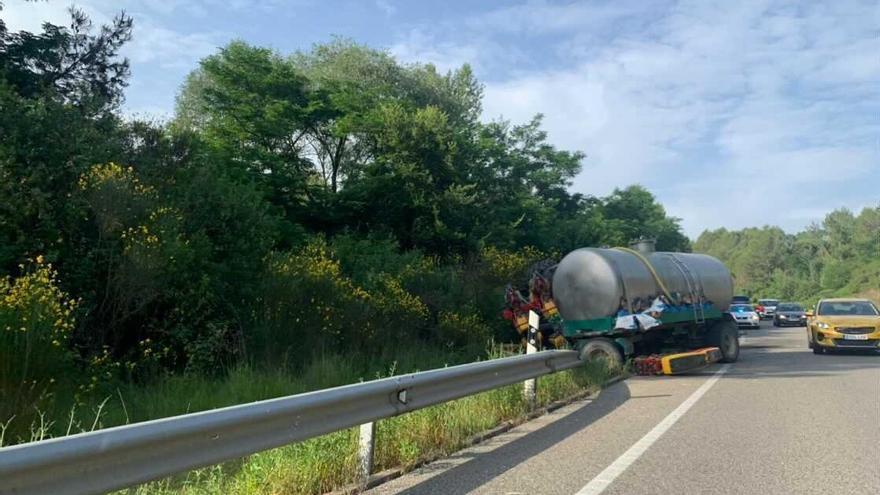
[(620, 302)]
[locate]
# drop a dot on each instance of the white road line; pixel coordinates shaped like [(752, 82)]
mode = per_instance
[(606, 477)]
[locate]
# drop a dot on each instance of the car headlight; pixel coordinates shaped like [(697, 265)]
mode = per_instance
[(823, 325), (783, 317), (754, 317)]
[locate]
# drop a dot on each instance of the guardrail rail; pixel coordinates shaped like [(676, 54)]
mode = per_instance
[(123, 456)]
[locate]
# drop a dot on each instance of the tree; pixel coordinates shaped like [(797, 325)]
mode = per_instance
[(355, 80), (57, 92), (413, 188), (634, 212), (80, 67), (522, 182), (866, 234), (256, 109), (837, 257)]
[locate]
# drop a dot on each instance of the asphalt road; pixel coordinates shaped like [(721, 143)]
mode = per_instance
[(781, 420)]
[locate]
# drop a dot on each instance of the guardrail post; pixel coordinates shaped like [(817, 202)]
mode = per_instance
[(366, 445), (530, 386)]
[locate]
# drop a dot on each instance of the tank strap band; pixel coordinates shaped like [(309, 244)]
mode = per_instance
[(650, 269)]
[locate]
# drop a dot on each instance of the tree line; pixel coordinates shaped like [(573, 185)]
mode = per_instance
[(838, 257), (325, 200)]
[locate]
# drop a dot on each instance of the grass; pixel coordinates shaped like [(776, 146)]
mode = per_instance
[(321, 464), (328, 462)]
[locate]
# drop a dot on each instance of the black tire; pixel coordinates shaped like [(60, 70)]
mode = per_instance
[(818, 349), (724, 335), (601, 348), (775, 322)]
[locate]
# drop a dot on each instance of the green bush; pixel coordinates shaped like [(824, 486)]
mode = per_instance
[(310, 306), (177, 264), (307, 307), (462, 331), (36, 321), (365, 259)]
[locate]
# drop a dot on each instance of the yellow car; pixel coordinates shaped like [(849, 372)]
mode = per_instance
[(843, 324)]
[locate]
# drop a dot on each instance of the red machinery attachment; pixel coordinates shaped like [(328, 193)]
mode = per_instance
[(648, 365), (540, 300)]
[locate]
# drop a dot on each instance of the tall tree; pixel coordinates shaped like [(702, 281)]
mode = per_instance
[(255, 109), (355, 80), (633, 212), (73, 62), (58, 90)]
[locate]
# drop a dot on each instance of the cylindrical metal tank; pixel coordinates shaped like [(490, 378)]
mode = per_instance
[(594, 283)]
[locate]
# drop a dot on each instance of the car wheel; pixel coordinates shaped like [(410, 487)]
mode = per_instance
[(818, 349), (776, 322)]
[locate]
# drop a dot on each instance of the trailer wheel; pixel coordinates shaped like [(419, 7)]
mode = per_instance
[(601, 349), (724, 335)]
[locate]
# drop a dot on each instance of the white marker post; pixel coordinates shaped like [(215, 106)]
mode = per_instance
[(365, 452), (530, 386)]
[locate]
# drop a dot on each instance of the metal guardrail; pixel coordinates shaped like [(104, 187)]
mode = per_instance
[(114, 458)]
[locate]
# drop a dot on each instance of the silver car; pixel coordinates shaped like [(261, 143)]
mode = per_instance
[(745, 316)]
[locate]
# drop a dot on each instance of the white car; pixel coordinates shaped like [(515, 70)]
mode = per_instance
[(745, 316)]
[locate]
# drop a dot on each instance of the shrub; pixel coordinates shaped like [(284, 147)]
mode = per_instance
[(462, 331), (307, 305), (310, 306), (36, 320), (366, 259), (509, 266), (177, 264)]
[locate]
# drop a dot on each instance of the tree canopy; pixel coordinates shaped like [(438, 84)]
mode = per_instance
[(840, 256), (330, 185)]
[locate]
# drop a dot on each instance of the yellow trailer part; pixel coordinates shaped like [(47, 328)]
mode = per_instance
[(675, 364)]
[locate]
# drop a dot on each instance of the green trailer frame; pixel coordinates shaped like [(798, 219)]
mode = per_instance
[(683, 320), (575, 329)]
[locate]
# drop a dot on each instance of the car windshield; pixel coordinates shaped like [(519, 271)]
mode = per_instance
[(847, 308), (789, 307), (742, 308), (768, 302)]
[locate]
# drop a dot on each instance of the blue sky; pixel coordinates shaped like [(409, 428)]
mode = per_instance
[(734, 114)]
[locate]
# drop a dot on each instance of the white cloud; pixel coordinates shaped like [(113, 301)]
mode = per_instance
[(484, 54), (419, 46), (386, 6), (739, 114), (151, 42), (540, 16), (30, 16), (160, 56), (170, 49)]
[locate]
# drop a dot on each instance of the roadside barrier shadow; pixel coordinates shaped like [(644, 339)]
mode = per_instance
[(485, 467)]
